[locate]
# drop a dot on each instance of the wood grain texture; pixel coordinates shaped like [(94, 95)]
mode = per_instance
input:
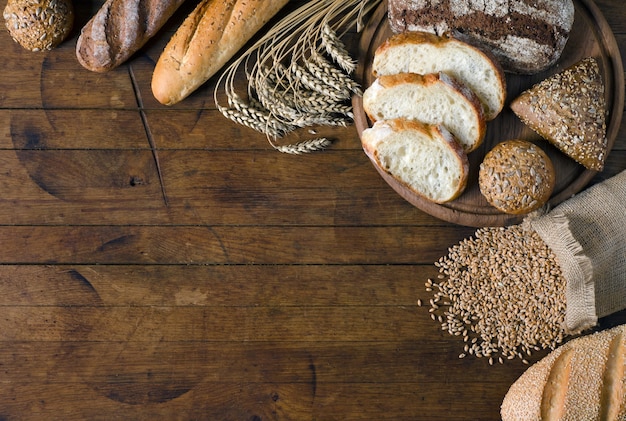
[(164, 263)]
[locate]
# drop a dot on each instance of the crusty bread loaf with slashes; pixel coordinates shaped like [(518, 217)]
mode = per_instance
[(206, 40), (423, 53), (516, 177), (426, 159), (569, 110), (119, 29), (581, 380), (431, 99), (525, 36)]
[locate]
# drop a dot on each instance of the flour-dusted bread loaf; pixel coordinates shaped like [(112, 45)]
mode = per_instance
[(423, 53), (426, 159), (207, 39), (526, 36), (581, 380), (119, 29), (569, 110), (516, 177), (431, 99)]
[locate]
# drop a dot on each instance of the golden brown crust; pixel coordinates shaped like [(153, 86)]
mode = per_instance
[(206, 40), (39, 25), (516, 177)]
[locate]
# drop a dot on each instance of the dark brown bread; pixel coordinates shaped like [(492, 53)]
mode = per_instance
[(119, 29), (526, 36)]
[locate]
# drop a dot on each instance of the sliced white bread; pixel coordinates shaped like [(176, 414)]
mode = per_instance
[(423, 53), (426, 159), (569, 110), (584, 379), (435, 98)]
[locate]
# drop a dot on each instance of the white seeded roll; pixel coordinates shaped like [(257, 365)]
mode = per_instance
[(516, 177), (423, 158), (581, 380), (423, 53), (39, 25), (431, 99)]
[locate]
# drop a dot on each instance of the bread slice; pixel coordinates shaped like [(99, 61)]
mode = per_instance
[(581, 380), (423, 53), (569, 110), (431, 99), (426, 159)]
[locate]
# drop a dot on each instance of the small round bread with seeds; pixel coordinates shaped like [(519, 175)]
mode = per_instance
[(516, 177), (39, 25)]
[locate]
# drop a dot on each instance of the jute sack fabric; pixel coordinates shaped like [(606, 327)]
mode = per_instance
[(587, 234)]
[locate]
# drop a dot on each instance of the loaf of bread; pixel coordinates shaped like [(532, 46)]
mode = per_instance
[(516, 177), (581, 380), (39, 25), (435, 98), (206, 40), (569, 110), (525, 36), (119, 29), (426, 159), (423, 53)]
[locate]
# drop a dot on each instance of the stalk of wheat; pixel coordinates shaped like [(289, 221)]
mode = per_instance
[(299, 74)]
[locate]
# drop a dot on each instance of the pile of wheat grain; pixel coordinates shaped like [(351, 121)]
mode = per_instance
[(502, 292)]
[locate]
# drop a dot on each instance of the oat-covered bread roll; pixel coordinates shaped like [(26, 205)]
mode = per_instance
[(431, 99), (516, 177), (423, 53), (39, 25), (425, 159), (569, 110), (581, 380), (526, 36)]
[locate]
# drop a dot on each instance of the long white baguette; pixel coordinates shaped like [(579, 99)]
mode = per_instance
[(207, 39), (581, 380)]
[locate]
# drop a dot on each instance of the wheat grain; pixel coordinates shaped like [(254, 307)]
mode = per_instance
[(336, 49)]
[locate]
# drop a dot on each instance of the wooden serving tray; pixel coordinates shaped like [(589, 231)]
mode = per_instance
[(590, 36)]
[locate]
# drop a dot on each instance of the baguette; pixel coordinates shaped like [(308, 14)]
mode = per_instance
[(581, 380), (207, 39), (431, 99), (119, 29), (424, 159)]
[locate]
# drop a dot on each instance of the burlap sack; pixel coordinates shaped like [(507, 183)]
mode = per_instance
[(587, 233)]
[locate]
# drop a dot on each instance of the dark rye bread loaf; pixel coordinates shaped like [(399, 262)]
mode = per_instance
[(526, 36)]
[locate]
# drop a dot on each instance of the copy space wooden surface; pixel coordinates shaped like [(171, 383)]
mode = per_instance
[(165, 263)]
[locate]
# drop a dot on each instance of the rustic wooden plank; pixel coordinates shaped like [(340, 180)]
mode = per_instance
[(226, 245)]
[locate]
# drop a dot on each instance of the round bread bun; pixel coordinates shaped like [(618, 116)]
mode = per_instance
[(39, 25), (516, 177)]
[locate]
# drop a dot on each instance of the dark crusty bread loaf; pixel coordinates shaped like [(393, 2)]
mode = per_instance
[(425, 159), (569, 110), (206, 40), (516, 177), (423, 53), (526, 36), (435, 98), (581, 380), (119, 29)]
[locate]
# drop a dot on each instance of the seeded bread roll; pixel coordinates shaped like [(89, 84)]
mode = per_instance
[(39, 25), (431, 99), (516, 177), (569, 110), (581, 380), (206, 40), (526, 36), (425, 159), (119, 29), (423, 53)]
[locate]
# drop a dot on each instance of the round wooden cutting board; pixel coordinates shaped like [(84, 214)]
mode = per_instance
[(590, 36)]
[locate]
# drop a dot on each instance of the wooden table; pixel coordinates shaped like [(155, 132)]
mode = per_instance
[(164, 263)]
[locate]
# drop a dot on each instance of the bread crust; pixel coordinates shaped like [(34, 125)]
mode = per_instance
[(119, 29), (213, 32)]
